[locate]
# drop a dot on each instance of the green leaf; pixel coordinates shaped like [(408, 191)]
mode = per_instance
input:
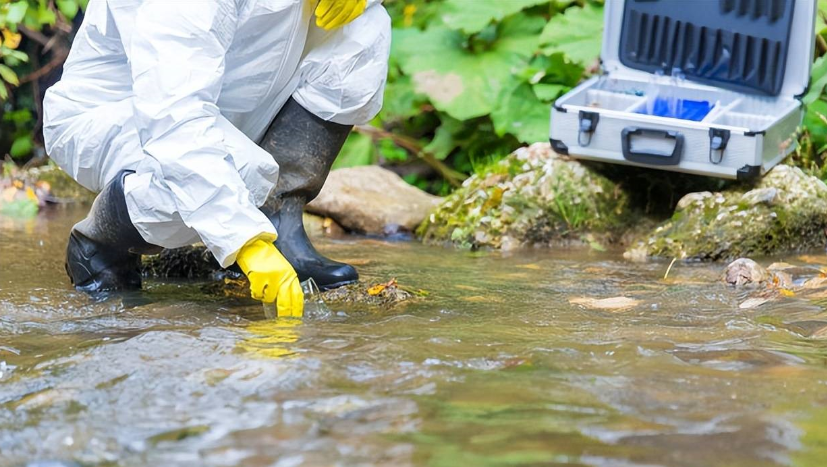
[(4, 92), (16, 55), (18, 117), (69, 8), (457, 81), (473, 16), (520, 113), (816, 122), (21, 147), (578, 33), (818, 75), (401, 101), (9, 75), (46, 15), (444, 141), (16, 11), (358, 150), (549, 92), (822, 9)]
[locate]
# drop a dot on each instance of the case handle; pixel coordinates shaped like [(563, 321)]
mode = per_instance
[(651, 157)]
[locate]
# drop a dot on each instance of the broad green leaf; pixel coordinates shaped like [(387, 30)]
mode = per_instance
[(818, 77), (459, 82), (21, 147), (358, 150), (549, 92), (444, 141), (4, 92), (578, 33), (9, 75), (520, 113), (472, 16), (822, 10), (69, 8), (401, 101)]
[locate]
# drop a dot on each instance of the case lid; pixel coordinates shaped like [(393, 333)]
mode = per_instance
[(762, 47)]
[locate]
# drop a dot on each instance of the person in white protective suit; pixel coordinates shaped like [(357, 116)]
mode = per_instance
[(213, 121)]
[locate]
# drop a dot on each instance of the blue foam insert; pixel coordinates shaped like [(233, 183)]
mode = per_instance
[(689, 110)]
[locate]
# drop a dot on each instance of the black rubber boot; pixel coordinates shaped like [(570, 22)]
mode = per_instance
[(104, 252), (305, 147)]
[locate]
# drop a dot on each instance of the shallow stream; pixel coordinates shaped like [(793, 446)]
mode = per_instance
[(496, 366)]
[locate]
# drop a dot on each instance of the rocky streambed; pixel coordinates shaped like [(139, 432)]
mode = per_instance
[(533, 198)]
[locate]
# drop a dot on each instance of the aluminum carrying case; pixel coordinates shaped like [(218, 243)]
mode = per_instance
[(709, 87)]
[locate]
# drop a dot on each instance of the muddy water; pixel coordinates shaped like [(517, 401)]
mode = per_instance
[(494, 367)]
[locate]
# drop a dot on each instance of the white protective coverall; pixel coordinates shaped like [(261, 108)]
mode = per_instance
[(180, 91)]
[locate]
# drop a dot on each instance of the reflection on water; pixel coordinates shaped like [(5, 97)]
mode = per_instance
[(497, 366)]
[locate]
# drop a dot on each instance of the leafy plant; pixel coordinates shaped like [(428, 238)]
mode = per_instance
[(27, 28), (468, 82)]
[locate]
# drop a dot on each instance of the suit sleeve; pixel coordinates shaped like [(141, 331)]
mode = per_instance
[(177, 56)]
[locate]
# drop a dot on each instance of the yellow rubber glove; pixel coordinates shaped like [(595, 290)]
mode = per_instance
[(332, 14), (272, 278)]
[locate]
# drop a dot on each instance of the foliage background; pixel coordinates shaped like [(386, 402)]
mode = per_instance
[(470, 81)]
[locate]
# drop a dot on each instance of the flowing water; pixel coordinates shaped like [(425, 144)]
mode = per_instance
[(494, 367)]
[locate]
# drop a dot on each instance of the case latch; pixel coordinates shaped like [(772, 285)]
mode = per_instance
[(588, 123), (718, 139)]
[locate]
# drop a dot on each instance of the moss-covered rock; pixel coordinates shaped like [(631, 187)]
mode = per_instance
[(534, 196), (379, 296), (191, 262), (785, 212)]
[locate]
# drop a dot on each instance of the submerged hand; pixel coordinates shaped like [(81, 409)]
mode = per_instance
[(332, 14), (272, 278)]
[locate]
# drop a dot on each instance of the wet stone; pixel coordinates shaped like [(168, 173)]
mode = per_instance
[(785, 212), (745, 271)]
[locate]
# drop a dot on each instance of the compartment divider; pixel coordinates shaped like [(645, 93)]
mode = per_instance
[(720, 110)]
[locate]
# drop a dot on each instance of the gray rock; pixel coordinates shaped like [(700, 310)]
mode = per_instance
[(370, 199), (745, 271)]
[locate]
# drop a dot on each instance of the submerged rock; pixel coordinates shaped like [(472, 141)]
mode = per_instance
[(532, 197), (384, 295), (196, 262), (377, 295), (191, 262), (372, 200), (745, 271), (785, 212)]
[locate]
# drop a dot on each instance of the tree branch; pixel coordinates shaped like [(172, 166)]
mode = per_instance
[(452, 176), (56, 61)]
